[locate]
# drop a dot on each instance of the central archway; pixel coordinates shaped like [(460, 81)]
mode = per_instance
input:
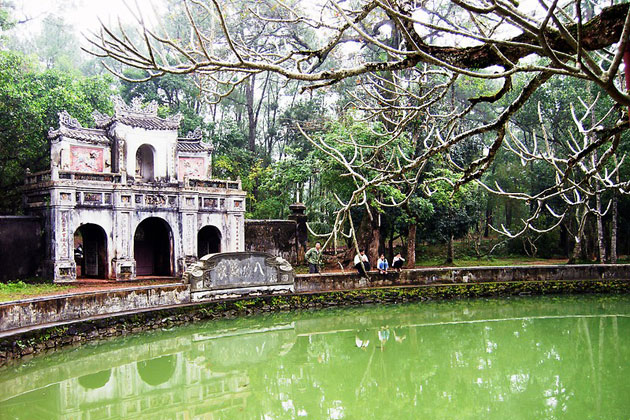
[(145, 163), (208, 241), (153, 248), (90, 251)]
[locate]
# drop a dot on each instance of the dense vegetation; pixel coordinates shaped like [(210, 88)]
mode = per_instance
[(259, 128)]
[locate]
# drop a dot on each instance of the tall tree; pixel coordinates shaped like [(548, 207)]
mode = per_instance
[(30, 100)]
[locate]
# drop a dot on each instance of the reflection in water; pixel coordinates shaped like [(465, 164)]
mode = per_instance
[(95, 380), (157, 371), (542, 358)]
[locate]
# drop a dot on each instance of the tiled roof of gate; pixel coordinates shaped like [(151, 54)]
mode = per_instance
[(87, 134), (71, 128), (192, 142), (192, 146), (137, 115), (151, 123)]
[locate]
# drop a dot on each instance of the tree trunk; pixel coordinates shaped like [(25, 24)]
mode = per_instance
[(577, 249), (508, 214), (600, 229), (372, 248), (390, 247), (613, 231), (486, 230), (411, 246), (598, 214), (450, 250), (613, 224), (564, 240), (368, 237), (251, 114)]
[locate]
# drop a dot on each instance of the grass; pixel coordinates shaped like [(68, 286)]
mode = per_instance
[(486, 262), (20, 290)]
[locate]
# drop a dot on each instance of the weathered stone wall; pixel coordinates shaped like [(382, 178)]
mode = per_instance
[(79, 306), (275, 237), (426, 276), (21, 247), (71, 307)]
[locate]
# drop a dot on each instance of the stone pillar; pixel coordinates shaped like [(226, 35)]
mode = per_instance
[(297, 214)]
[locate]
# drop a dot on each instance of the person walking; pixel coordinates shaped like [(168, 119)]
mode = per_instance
[(314, 258)]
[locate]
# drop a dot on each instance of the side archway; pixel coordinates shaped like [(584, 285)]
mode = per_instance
[(90, 251), (153, 248), (208, 241)]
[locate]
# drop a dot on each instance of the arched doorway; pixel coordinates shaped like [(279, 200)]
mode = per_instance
[(153, 248), (208, 241), (90, 251), (144, 163)]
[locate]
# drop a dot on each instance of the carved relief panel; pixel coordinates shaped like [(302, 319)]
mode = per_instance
[(86, 159)]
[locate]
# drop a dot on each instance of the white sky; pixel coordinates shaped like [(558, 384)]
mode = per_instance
[(82, 14)]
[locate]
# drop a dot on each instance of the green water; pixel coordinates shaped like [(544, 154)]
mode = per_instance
[(521, 358)]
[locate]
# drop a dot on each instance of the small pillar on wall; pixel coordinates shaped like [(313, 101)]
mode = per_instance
[(300, 218)]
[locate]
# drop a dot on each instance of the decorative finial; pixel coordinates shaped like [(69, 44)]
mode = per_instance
[(66, 120), (136, 108), (196, 134), (100, 119)]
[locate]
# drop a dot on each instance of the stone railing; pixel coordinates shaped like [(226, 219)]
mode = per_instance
[(456, 275), (89, 176), (37, 177), (214, 184)]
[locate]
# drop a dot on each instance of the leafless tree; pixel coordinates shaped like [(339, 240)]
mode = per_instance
[(412, 54)]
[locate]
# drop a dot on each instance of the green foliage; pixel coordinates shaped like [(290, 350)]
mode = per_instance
[(454, 211), (30, 100), (6, 20)]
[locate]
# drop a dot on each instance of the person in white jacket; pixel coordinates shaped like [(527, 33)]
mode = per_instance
[(361, 257), (398, 262)]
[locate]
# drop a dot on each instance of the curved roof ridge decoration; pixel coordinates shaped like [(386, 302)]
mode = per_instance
[(194, 135), (137, 115), (72, 128), (193, 142)]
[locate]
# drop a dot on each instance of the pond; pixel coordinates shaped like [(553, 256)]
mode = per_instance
[(519, 358)]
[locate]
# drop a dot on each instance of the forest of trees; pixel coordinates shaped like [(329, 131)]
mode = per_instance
[(528, 159)]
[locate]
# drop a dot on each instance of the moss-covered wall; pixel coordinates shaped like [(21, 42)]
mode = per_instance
[(425, 276)]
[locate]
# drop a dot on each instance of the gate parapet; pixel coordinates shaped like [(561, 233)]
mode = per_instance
[(237, 274)]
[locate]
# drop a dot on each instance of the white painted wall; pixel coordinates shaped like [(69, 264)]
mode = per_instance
[(164, 143)]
